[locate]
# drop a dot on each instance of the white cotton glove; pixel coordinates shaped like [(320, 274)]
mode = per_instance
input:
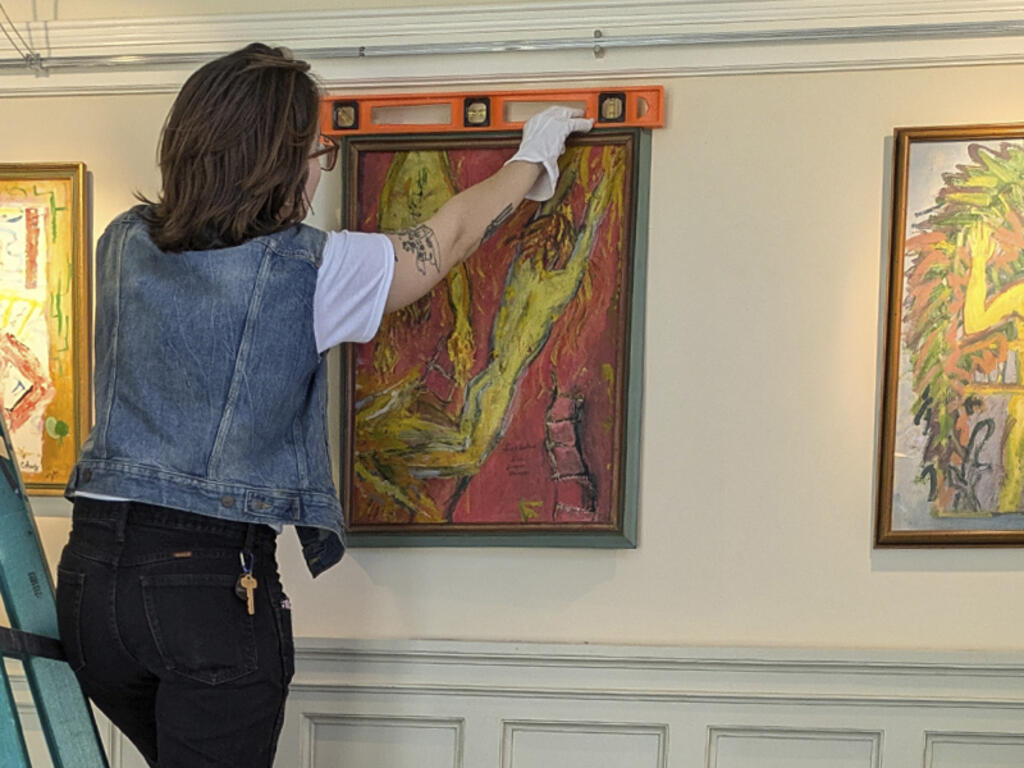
[(544, 141)]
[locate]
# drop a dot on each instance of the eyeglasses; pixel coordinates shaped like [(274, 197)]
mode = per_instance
[(327, 153)]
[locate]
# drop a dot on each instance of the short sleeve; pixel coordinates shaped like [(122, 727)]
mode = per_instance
[(352, 287)]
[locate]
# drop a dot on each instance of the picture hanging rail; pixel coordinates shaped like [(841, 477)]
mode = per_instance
[(515, 385), (635, 107)]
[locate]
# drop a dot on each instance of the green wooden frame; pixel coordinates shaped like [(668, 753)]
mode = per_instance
[(623, 532)]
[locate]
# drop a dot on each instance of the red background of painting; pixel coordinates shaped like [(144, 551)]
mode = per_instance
[(588, 335)]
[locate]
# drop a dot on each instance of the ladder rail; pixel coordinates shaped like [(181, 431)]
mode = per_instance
[(28, 596), (13, 750)]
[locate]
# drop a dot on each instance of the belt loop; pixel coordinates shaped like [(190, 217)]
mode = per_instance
[(120, 510)]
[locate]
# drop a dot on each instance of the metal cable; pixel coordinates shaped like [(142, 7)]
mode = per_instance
[(29, 56), (3, 28)]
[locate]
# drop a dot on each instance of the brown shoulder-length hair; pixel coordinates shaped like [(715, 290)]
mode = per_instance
[(234, 150)]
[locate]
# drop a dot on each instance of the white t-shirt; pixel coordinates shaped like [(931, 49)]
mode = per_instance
[(352, 287)]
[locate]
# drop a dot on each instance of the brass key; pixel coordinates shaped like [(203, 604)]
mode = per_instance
[(248, 583)]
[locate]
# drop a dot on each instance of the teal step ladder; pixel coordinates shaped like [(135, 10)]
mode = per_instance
[(27, 593)]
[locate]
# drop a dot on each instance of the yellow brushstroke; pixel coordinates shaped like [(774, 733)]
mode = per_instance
[(385, 356), (611, 162), (17, 305), (1013, 455), (461, 344), (528, 509), (584, 168), (608, 374), (417, 184), (421, 507)]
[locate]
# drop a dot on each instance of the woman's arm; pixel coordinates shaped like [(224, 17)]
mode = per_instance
[(425, 253)]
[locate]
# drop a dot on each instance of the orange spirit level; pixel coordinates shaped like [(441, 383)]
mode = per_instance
[(342, 115)]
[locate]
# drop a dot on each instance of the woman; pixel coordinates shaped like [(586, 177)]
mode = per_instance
[(214, 307)]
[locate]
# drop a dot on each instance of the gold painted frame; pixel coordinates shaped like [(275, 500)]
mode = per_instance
[(950, 468), (45, 309)]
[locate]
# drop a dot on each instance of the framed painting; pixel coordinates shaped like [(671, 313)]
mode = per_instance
[(44, 318), (504, 407), (952, 434)]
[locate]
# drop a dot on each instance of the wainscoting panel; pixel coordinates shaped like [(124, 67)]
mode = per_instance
[(540, 744), (784, 748), (977, 750), (339, 740), (456, 704)]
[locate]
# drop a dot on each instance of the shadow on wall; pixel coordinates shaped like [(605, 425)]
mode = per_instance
[(947, 560), (19, 11)]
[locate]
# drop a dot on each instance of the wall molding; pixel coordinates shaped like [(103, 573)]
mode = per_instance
[(663, 675), (951, 701), (661, 658), (529, 42)]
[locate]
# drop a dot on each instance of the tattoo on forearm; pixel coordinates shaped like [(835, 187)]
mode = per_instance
[(421, 242), (495, 225)]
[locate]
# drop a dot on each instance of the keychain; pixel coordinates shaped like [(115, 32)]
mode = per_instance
[(246, 585)]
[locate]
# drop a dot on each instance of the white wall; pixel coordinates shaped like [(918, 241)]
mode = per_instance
[(767, 246)]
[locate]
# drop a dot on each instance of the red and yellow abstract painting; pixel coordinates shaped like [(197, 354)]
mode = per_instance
[(497, 401)]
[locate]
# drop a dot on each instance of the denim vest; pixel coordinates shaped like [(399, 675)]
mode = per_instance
[(210, 392)]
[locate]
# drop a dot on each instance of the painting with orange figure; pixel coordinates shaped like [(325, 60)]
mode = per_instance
[(952, 454)]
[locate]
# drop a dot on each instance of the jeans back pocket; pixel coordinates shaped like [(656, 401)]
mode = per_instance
[(200, 627)]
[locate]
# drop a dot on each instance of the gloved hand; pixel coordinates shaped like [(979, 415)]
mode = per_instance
[(543, 142)]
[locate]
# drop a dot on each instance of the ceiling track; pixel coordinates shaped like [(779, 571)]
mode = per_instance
[(598, 43)]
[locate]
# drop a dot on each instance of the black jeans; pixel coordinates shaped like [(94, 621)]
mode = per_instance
[(160, 641)]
